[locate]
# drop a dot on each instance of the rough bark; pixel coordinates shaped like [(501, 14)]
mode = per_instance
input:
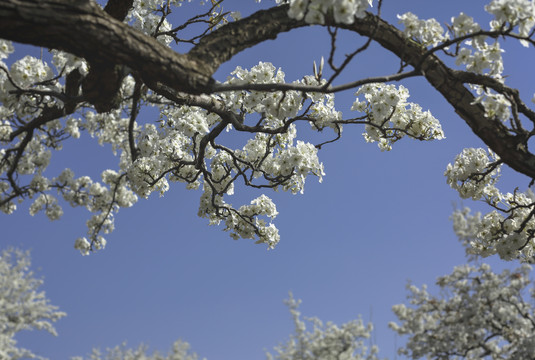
[(227, 41), (82, 28)]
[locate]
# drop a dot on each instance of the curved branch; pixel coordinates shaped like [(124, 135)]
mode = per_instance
[(225, 42), (222, 44), (82, 28), (450, 84)]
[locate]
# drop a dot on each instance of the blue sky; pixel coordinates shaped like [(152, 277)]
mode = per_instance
[(348, 246)]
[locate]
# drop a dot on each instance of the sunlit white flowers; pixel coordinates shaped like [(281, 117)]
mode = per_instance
[(251, 133), (324, 340), (513, 13), (22, 305), (509, 229), (427, 32), (391, 117), (478, 314)]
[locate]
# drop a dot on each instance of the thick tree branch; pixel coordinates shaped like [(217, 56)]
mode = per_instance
[(222, 44), (450, 84), (82, 28)]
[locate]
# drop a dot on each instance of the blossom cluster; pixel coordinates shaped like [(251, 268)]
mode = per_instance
[(483, 58), (144, 17), (181, 146), (470, 174), (486, 57), (22, 305), (6, 48), (484, 314), (509, 229), (169, 152), (314, 11), (325, 341), (391, 117), (513, 13), (247, 222), (426, 32), (278, 157), (65, 62), (25, 74), (33, 77)]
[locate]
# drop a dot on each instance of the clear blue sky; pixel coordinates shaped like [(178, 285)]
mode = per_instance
[(348, 245)]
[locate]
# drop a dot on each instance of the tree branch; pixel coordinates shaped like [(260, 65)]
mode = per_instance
[(82, 28), (222, 44), (494, 133)]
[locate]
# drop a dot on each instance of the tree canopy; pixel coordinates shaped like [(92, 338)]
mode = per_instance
[(143, 78), (479, 314), (120, 59)]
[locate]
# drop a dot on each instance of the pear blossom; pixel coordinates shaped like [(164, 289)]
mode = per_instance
[(22, 305), (479, 314), (184, 140)]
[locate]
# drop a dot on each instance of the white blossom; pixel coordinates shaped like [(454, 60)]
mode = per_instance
[(22, 306), (427, 32), (514, 13), (481, 314), (324, 341), (390, 119)]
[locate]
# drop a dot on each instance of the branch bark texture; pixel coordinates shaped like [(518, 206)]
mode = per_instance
[(82, 28)]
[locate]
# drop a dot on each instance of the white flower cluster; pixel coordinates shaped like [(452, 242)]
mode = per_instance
[(314, 11), (168, 153), (513, 13), (470, 176), (100, 199), (29, 70), (464, 25), (144, 17), (426, 32), (324, 341), (177, 149), (496, 105), (275, 105), (157, 149), (26, 73), (65, 62), (50, 203), (429, 32), (391, 117), (286, 160), (6, 48), (244, 222), (22, 305), (507, 231), (486, 57), (483, 315)]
